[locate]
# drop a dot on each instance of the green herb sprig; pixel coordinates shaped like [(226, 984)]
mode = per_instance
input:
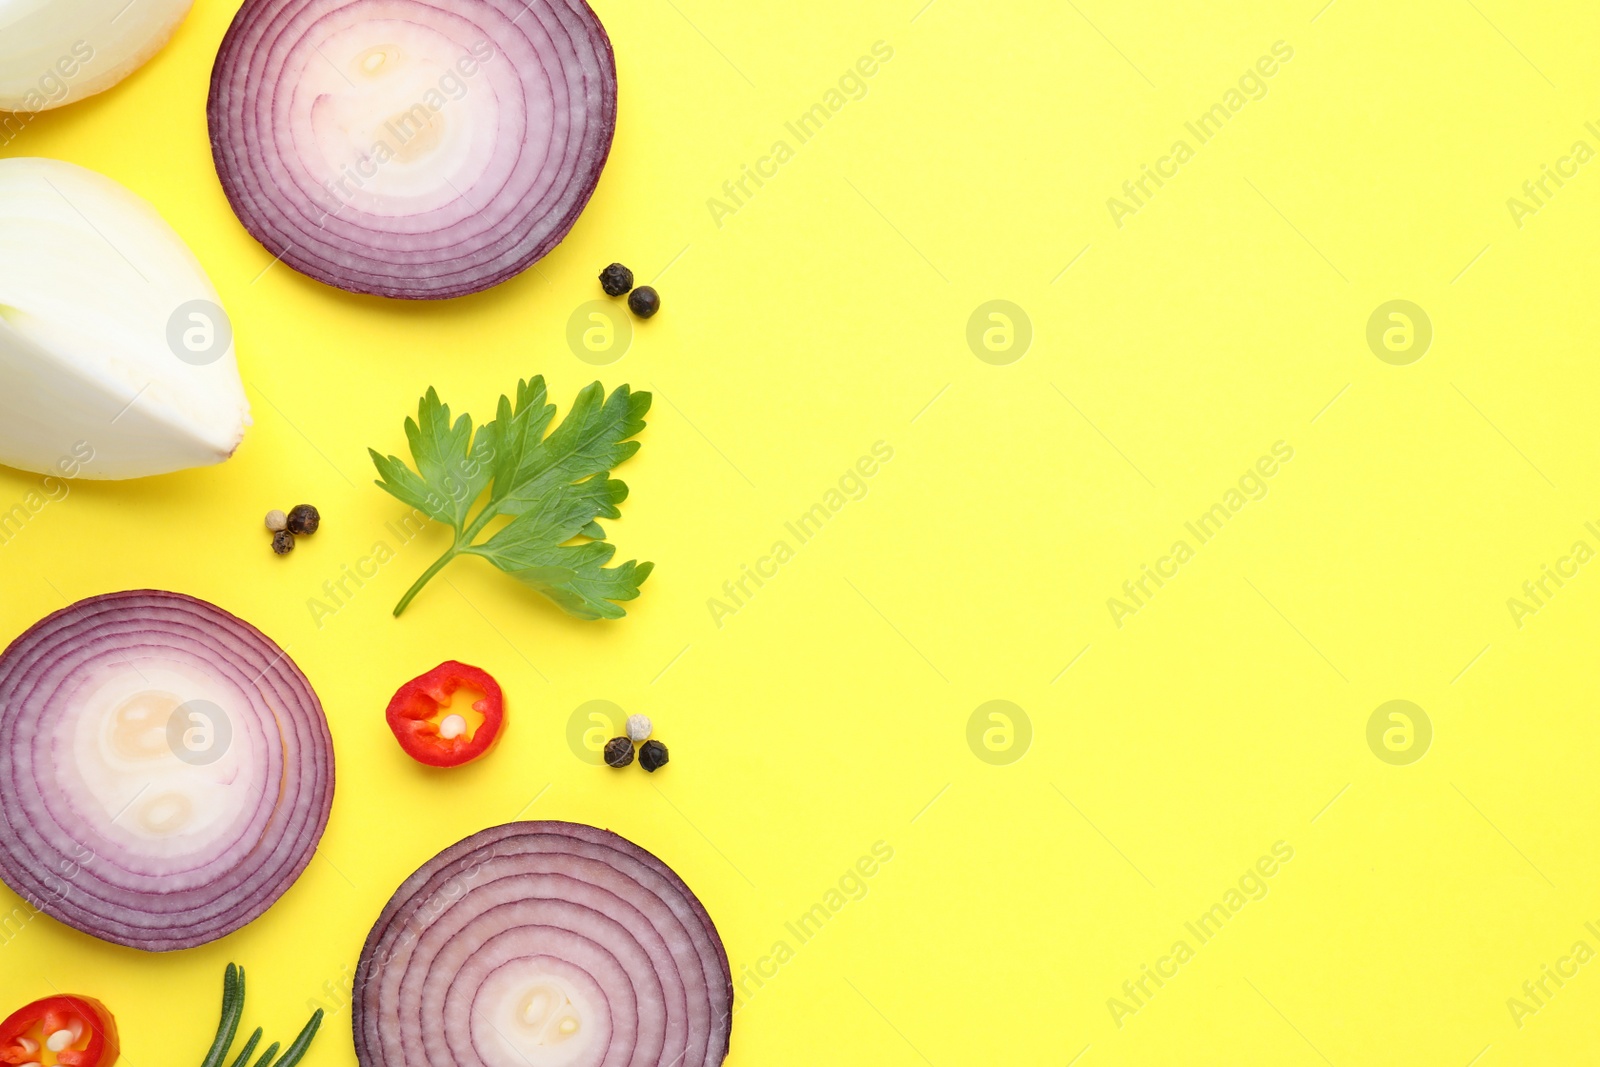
[(232, 1011), (554, 489)]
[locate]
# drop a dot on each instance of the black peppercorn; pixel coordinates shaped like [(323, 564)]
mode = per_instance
[(652, 756), (616, 279), (619, 752), (644, 301), (303, 519), (282, 542)]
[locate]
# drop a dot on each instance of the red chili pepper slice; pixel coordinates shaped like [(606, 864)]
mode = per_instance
[(81, 1026), (437, 727)]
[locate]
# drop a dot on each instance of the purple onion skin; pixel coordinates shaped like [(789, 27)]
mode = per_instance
[(371, 271), (67, 890), (381, 946)]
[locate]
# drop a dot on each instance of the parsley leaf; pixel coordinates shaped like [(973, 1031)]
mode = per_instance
[(554, 488)]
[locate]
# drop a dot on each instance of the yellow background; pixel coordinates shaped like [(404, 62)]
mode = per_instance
[(831, 712)]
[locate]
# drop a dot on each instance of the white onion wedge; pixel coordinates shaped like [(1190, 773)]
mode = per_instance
[(113, 342), (54, 52)]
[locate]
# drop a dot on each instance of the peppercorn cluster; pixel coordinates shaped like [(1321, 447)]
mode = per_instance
[(302, 520), (643, 301), (619, 750)]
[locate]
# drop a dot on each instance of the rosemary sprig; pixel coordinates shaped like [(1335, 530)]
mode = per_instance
[(228, 1027)]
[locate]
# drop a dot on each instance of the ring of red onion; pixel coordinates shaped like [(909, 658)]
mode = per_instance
[(411, 149), (543, 944), (165, 769)]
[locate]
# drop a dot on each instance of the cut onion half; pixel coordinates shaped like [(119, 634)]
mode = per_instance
[(543, 944), (412, 149), (165, 769)]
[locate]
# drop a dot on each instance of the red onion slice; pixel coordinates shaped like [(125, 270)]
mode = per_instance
[(543, 944), (165, 769), (407, 148)]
